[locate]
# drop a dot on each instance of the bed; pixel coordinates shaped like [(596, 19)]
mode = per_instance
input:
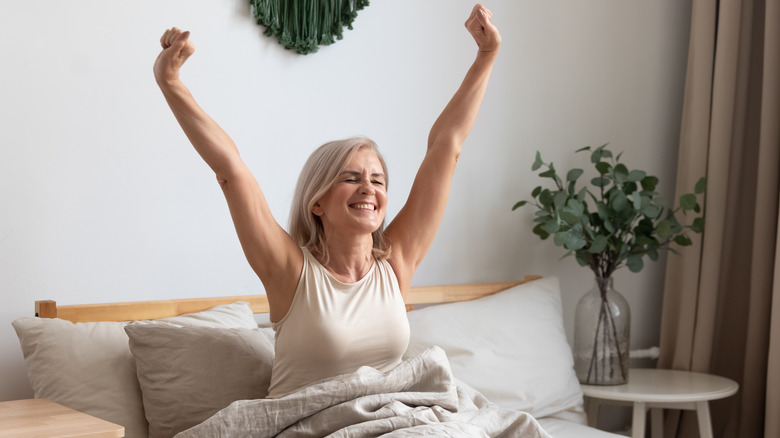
[(181, 366)]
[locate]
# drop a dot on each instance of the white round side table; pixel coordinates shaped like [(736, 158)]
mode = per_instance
[(661, 389)]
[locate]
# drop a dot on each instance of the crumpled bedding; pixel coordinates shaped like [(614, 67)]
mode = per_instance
[(420, 397)]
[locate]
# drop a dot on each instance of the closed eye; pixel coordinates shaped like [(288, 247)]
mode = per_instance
[(354, 177)]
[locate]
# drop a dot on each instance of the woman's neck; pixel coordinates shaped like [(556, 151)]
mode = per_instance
[(349, 260)]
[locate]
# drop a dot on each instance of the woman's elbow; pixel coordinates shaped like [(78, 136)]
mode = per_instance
[(228, 174), (222, 180), (446, 146)]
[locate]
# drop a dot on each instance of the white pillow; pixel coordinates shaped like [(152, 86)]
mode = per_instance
[(510, 346), (88, 366)]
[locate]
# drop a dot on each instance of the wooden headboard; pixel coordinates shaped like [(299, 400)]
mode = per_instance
[(139, 310)]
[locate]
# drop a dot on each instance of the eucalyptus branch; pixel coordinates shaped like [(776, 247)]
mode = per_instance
[(625, 221)]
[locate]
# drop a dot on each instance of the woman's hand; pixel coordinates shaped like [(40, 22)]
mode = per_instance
[(484, 32), (177, 47)]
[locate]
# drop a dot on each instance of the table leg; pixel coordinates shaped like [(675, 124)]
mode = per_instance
[(657, 422), (705, 422), (638, 422), (593, 411)]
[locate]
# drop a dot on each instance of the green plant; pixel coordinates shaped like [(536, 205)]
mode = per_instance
[(624, 220)]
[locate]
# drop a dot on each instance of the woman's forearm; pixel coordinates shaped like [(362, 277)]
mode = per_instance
[(457, 119), (210, 141)]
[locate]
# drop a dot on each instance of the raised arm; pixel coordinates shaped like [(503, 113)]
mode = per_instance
[(455, 122), (412, 231), (210, 141), (271, 252)]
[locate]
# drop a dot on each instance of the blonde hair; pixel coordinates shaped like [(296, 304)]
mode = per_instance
[(317, 177)]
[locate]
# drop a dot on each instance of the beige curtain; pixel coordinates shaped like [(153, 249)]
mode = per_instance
[(721, 311)]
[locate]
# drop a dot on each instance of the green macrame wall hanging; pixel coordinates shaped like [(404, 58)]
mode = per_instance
[(304, 25)]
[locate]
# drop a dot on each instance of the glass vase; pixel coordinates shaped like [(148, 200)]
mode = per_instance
[(602, 330)]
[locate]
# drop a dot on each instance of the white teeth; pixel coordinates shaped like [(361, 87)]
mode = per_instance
[(363, 206)]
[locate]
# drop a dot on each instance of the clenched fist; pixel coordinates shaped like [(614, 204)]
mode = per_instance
[(177, 47), (484, 32)]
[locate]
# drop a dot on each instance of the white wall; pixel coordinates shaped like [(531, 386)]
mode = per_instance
[(103, 199)]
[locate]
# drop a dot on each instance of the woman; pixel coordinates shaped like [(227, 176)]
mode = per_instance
[(335, 286)]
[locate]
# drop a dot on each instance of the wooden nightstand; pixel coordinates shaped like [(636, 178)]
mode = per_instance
[(661, 389), (41, 418)]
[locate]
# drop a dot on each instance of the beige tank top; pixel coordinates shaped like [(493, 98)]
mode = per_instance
[(334, 328)]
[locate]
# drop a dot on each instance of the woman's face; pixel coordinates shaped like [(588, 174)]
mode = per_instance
[(358, 199)]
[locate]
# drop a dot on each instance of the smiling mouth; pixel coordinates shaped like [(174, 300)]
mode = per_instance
[(364, 206)]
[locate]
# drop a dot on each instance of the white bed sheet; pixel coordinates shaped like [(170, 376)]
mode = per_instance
[(567, 429)]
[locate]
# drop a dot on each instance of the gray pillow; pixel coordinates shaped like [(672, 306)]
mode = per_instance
[(87, 366), (187, 374)]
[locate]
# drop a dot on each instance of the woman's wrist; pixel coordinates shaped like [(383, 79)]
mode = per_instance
[(170, 85), (487, 55)]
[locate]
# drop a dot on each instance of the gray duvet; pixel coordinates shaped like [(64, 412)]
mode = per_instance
[(420, 397)]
